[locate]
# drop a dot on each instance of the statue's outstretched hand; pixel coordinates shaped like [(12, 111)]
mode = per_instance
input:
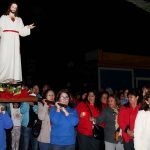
[(31, 26)]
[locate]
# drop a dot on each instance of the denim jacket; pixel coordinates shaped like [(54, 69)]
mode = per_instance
[(24, 109)]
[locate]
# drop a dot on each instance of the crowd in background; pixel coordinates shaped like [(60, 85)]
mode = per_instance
[(68, 119)]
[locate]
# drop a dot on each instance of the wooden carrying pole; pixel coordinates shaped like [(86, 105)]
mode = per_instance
[(25, 99)]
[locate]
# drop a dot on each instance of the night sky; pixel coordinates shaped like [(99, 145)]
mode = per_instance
[(65, 31)]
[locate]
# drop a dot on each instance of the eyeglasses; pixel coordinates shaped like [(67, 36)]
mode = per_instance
[(64, 97)]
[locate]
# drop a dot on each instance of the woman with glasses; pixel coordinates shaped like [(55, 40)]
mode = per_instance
[(63, 119)]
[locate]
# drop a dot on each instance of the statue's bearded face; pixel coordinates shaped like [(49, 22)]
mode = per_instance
[(13, 8)]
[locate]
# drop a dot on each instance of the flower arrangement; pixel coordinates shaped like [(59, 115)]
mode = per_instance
[(14, 93)]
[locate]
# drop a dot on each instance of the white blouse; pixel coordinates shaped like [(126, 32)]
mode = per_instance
[(142, 131)]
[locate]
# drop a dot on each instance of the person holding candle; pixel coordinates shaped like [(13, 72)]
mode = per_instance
[(84, 128)]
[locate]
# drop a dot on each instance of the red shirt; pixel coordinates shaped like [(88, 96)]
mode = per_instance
[(127, 116), (85, 125)]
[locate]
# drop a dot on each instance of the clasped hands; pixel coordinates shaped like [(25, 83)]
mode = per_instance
[(93, 119), (130, 133), (58, 108)]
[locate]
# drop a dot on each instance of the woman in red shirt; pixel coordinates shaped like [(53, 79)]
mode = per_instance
[(84, 128), (126, 119)]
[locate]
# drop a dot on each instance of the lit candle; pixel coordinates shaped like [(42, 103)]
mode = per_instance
[(83, 114)]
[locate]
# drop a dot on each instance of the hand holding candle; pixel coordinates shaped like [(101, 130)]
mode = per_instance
[(82, 114)]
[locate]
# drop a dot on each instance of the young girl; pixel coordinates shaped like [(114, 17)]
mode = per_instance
[(16, 118)]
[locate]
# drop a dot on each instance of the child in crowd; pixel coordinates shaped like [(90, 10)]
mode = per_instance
[(16, 119)]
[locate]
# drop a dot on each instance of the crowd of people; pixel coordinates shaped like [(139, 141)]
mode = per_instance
[(68, 118)]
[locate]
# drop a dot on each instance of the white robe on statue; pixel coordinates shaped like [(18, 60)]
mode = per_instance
[(10, 58)]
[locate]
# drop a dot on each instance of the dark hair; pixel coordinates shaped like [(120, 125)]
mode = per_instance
[(102, 93), (45, 93), (8, 10), (97, 103), (68, 93), (81, 94), (113, 96), (134, 92), (144, 105), (46, 84), (16, 103)]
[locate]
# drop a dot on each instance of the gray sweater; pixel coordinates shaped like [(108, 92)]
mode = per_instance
[(108, 118), (43, 114)]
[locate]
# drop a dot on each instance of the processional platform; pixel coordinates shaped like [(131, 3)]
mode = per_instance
[(13, 93)]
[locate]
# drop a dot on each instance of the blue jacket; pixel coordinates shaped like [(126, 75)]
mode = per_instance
[(5, 123), (63, 127), (24, 109)]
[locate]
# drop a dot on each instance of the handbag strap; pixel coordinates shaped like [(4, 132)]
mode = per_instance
[(89, 109)]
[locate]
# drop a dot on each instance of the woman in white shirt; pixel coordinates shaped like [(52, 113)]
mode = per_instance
[(142, 123)]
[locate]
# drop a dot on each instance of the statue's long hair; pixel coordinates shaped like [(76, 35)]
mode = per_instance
[(8, 10)]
